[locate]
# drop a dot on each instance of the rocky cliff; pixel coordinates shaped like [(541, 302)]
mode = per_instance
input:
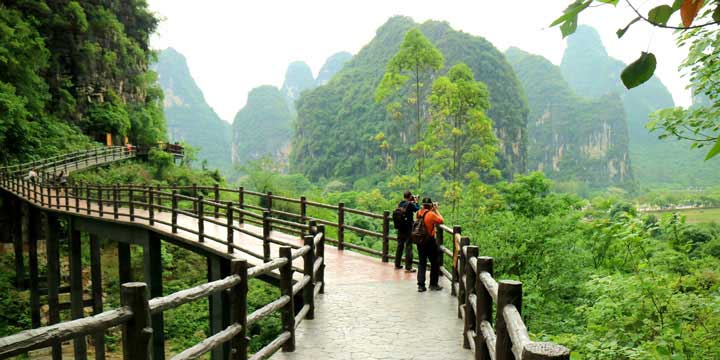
[(590, 71), (570, 137)]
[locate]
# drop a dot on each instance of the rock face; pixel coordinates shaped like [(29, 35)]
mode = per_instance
[(341, 119), (298, 78), (189, 118), (570, 137), (332, 66), (591, 72), (263, 127)]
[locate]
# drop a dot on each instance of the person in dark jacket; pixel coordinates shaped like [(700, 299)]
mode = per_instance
[(409, 203)]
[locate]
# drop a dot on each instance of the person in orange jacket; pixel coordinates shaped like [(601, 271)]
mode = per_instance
[(429, 249)]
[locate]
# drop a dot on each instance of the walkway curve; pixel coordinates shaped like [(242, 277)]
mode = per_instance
[(369, 310)]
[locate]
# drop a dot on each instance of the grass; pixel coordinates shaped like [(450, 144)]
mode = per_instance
[(695, 216)]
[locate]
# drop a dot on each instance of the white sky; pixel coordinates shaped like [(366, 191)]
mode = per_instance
[(233, 46)]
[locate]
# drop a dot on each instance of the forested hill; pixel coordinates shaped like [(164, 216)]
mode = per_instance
[(332, 66), (590, 71), (298, 78), (340, 119), (570, 137), (189, 118), (263, 127), (74, 68)]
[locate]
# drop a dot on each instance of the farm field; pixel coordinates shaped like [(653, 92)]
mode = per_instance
[(695, 216)]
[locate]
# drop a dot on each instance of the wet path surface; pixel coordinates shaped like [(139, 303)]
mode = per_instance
[(380, 319)]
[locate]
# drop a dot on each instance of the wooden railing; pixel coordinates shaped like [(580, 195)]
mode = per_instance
[(135, 313), (477, 292), (47, 168), (233, 207)]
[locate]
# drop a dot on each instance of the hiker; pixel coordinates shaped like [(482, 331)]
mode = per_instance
[(403, 221), (423, 234), (32, 176), (62, 179)]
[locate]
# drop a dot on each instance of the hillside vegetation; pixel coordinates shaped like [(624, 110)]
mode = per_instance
[(341, 119)]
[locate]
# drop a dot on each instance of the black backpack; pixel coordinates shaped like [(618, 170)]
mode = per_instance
[(400, 217), (419, 232)]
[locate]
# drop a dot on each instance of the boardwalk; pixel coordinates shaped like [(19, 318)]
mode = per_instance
[(382, 318), (369, 309)]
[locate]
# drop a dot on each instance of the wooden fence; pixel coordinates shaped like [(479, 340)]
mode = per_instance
[(134, 315), (469, 274)]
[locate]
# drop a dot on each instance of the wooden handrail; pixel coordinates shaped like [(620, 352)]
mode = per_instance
[(471, 275)]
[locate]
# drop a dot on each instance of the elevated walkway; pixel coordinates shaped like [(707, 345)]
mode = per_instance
[(369, 311)]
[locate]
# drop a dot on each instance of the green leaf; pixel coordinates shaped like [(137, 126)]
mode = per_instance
[(640, 71), (716, 14), (676, 5), (569, 27), (660, 15), (621, 32), (714, 151)]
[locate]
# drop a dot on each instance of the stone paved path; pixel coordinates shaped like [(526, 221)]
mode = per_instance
[(380, 320)]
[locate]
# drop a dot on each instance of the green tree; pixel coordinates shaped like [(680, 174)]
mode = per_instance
[(416, 61), (460, 136)]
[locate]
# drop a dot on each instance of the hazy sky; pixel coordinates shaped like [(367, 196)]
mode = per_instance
[(233, 46)]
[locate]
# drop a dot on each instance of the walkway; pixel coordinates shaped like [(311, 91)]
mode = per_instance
[(369, 309), (384, 318)]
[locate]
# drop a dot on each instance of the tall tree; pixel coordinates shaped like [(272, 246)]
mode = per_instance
[(415, 63), (460, 136)]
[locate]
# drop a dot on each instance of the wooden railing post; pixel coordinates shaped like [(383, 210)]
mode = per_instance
[(238, 301), (483, 311), (42, 193), (158, 197), (76, 194), (194, 195), (320, 276), (57, 195), (269, 201), (151, 206), (509, 292), (545, 351), (67, 197), (201, 219), (88, 202), (115, 201), (216, 190), (49, 195), (472, 252), (230, 230), (456, 230), (309, 289), (266, 236), (303, 209), (174, 206), (303, 214), (341, 226), (131, 204), (462, 263), (137, 332), (100, 201), (385, 236), (241, 204), (288, 311)]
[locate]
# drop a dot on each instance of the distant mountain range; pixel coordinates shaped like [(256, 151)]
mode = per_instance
[(189, 118), (575, 122)]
